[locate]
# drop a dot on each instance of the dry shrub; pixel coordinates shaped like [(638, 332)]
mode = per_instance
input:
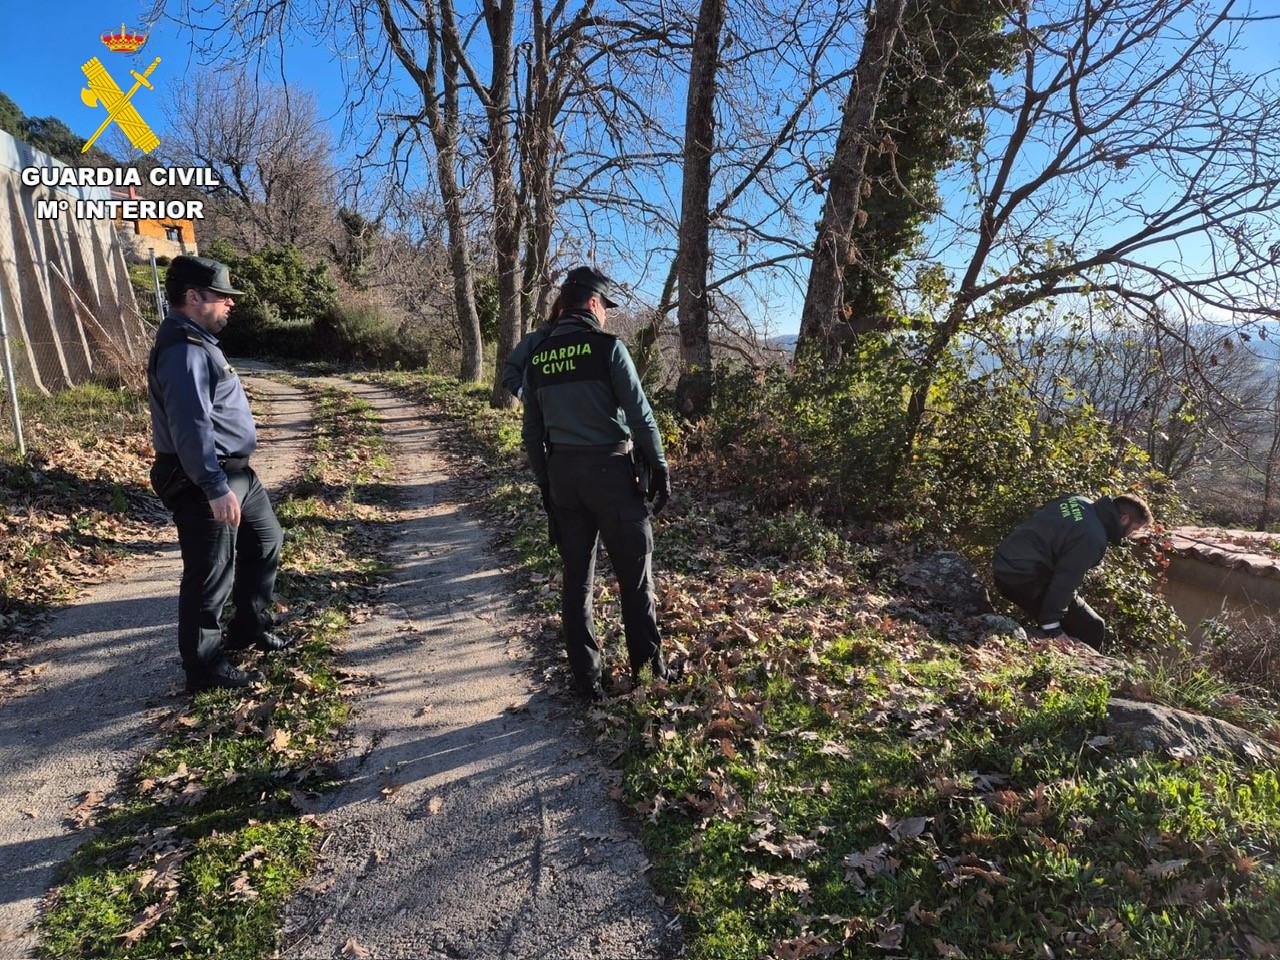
[(1245, 650)]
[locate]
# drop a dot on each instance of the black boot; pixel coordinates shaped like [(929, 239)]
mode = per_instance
[(268, 641), (661, 670), (222, 675), (592, 693)]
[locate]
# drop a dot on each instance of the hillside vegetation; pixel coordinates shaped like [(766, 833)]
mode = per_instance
[(830, 776)]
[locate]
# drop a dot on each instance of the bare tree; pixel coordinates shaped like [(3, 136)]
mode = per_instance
[(1125, 159), (1148, 384), (497, 97), (436, 77), (834, 249), (270, 152)]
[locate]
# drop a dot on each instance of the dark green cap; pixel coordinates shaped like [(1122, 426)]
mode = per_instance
[(589, 278), (185, 272)]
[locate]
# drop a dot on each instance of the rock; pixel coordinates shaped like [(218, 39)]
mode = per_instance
[(949, 581), (992, 624), (1151, 726)]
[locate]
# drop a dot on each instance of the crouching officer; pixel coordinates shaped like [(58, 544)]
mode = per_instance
[(204, 435), (583, 407), (1042, 563)]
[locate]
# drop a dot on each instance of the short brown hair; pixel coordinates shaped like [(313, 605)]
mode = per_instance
[(1135, 507)]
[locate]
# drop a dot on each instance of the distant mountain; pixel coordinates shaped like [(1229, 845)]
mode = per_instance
[(785, 342)]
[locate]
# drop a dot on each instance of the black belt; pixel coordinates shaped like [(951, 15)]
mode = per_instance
[(227, 463), (605, 448)]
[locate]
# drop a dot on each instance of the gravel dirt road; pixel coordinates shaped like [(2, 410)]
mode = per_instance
[(110, 670), (475, 820)]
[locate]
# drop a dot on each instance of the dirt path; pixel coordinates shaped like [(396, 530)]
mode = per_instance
[(466, 828), (110, 668)]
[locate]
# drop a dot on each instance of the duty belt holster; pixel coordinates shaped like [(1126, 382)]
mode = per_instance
[(642, 470), (553, 525), (171, 481)]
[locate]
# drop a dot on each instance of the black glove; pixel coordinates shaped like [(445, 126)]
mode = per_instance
[(660, 488)]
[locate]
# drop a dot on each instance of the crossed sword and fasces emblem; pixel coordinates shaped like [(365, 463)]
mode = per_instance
[(103, 89)]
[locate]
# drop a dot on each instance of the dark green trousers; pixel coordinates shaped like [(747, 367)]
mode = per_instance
[(1080, 621), (220, 563), (594, 496)]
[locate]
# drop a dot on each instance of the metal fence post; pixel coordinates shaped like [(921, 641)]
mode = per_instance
[(12, 381), (155, 282)]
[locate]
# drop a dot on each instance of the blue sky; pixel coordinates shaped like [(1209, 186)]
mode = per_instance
[(43, 76)]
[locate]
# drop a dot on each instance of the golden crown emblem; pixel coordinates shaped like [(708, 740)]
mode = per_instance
[(124, 41)]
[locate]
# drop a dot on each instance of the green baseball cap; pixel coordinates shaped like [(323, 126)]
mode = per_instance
[(589, 278), (185, 272)]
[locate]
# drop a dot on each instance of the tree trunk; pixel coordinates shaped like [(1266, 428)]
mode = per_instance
[(499, 16), (834, 249), (464, 295), (444, 134), (648, 352), (693, 392), (537, 145), (1273, 453), (464, 290)]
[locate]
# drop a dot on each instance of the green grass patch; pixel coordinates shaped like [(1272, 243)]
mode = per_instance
[(866, 794), (206, 842)]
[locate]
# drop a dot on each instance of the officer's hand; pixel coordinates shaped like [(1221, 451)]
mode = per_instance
[(226, 509), (660, 488), (545, 489)]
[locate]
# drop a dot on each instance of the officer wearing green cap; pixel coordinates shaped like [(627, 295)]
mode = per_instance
[(204, 435), (585, 417)]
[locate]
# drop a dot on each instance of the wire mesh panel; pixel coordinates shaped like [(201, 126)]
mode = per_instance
[(71, 311)]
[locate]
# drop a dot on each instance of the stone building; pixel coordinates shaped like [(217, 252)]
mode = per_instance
[(168, 237)]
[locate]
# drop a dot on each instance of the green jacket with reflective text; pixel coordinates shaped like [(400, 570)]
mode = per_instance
[(1056, 546), (581, 389)]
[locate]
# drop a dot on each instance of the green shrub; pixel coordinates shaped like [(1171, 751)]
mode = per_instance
[(832, 442), (365, 333), (281, 292), (797, 536)]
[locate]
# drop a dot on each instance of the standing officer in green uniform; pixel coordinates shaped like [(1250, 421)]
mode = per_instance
[(204, 435), (583, 407)]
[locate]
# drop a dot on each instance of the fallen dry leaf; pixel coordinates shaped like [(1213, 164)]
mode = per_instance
[(1164, 869), (147, 919), (280, 740), (352, 948), (1261, 948), (775, 883), (892, 937), (82, 812), (799, 948), (434, 805)]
